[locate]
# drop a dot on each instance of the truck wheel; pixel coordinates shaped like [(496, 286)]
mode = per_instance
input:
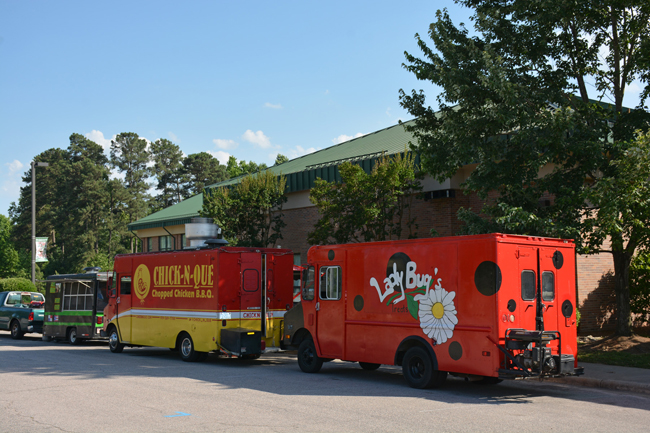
[(369, 366), (16, 332), (308, 360), (72, 337), (114, 341), (418, 370), (186, 348)]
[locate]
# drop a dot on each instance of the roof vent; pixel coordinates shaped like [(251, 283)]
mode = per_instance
[(92, 269), (200, 230)]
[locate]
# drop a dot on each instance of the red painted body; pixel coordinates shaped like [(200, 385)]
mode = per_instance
[(459, 295)]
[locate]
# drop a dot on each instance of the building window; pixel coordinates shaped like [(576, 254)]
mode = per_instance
[(165, 243), (296, 259), (149, 244)]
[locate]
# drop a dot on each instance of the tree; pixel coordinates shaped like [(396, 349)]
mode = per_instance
[(239, 168), (515, 102), (249, 212), (130, 156), (280, 159), (200, 170), (9, 260), (367, 207), (167, 170)]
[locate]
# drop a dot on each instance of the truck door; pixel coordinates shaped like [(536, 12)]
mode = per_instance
[(123, 307), (330, 311), (251, 289), (538, 281)]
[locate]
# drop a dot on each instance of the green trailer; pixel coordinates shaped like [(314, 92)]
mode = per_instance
[(74, 306)]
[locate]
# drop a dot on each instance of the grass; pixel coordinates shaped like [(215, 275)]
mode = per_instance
[(639, 360)]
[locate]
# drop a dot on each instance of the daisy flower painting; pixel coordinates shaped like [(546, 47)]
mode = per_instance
[(437, 313)]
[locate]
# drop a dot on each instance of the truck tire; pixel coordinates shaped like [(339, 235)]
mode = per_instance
[(186, 349), (369, 366), (308, 360), (72, 337), (418, 370), (16, 332), (114, 341)]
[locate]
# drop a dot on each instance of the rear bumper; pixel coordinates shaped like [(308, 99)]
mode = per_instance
[(36, 326)]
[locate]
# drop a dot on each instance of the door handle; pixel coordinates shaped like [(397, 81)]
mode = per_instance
[(317, 306)]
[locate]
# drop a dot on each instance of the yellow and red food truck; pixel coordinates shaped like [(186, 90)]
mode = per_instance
[(214, 298)]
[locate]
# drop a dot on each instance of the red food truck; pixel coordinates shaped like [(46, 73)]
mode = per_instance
[(486, 307), (213, 298)]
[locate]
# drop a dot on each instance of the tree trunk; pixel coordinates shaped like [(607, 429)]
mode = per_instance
[(622, 287)]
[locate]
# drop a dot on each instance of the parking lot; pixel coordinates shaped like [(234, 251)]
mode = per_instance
[(54, 387)]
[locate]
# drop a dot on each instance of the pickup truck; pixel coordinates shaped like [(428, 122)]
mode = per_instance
[(21, 312)]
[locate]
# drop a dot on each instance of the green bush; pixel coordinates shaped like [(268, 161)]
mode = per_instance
[(16, 284)]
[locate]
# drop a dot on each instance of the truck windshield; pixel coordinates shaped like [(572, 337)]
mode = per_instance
[(308, 284)]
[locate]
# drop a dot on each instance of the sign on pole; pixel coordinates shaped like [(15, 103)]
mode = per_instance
[(41, 249)]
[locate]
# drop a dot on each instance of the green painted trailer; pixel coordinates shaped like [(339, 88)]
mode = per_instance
[(74, 306)]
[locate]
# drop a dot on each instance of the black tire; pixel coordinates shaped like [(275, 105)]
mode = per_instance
[(72, 337), (369, 366), (16, 332), (488, 380), (114, 341), (186, 349), (308, 360), (418, 370)]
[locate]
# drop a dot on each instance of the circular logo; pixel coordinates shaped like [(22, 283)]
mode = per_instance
[(142, 280)]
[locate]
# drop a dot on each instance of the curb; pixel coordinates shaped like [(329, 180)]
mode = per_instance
[(618, 385)]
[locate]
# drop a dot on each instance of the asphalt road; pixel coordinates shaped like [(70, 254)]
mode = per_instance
[(55, 387)]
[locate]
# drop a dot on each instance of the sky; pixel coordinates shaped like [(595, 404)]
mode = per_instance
[(245, 78)]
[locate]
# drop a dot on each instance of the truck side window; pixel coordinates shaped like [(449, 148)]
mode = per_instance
[(308, 284), (548, 286), (330, 282), (528, 285), (125, 286)]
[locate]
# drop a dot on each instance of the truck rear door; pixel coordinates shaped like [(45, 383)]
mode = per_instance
[(253, 280), (538, 273)]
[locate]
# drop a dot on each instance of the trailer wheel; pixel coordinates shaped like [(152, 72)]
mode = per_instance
[(186, 348), (418, 370), (114, 341), (308, 360), (369, 366), (16, 332), (72, 336)]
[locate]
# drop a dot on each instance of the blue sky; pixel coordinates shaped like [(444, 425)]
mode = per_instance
[(248, 78)]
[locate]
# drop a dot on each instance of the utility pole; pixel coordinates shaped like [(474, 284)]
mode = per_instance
[(34, 165)]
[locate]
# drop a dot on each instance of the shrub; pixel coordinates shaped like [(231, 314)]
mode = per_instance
[(640, 287), (16, 284)]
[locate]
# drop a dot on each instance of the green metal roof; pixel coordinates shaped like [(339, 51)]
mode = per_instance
[(180, 213), (300, 172)]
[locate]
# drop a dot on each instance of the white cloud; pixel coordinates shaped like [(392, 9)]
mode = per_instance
[(172, 136), (225, 144), (98, 137), (343, 138), (258, 138), (14, 166), (220, 155), (299, 151), (274, 106), (388, 112)]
